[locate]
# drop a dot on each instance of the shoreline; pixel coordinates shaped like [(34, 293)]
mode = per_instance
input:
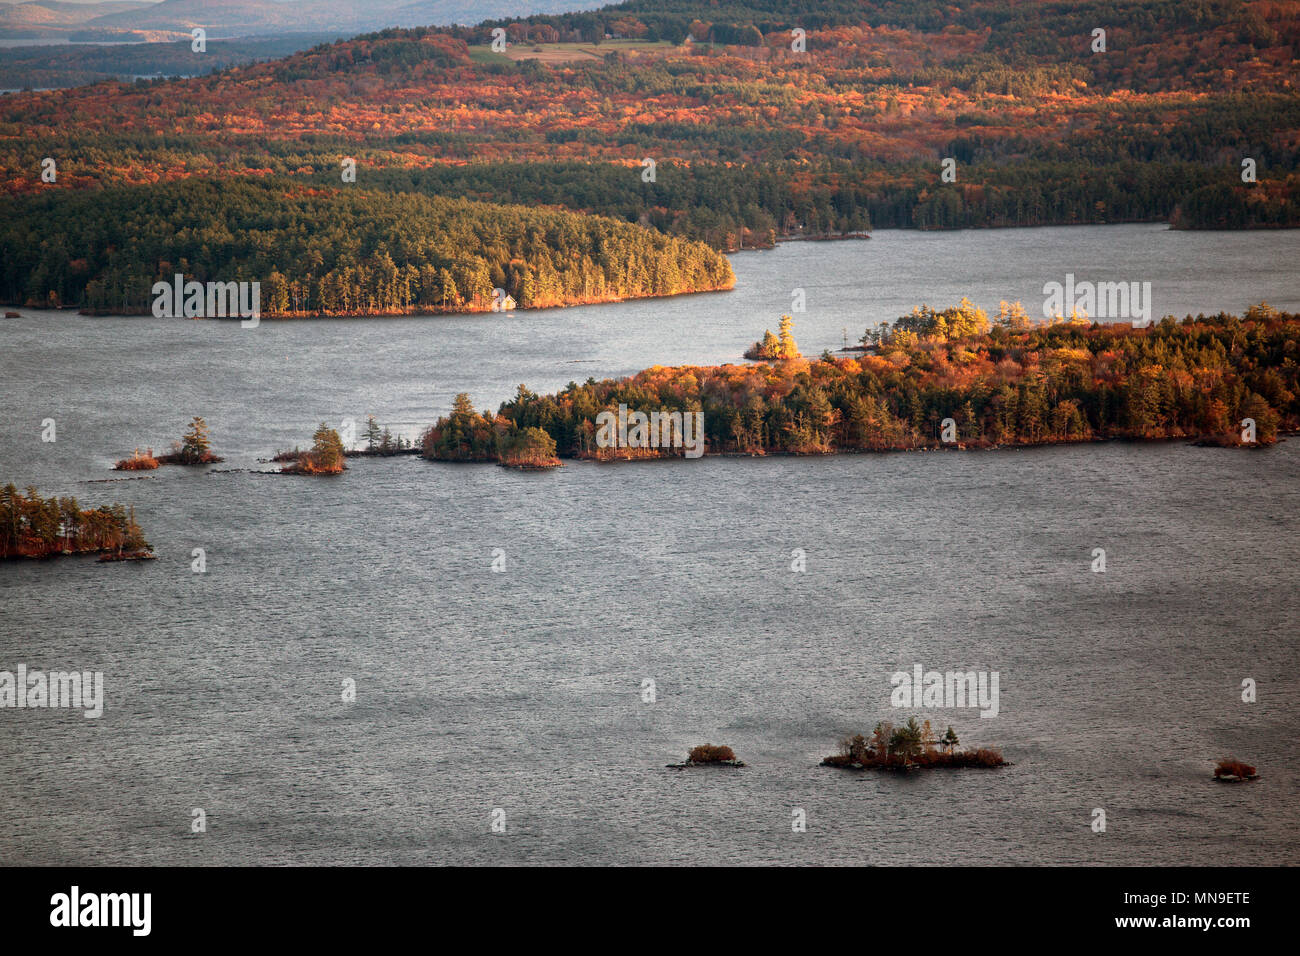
[(1197, 441), (420, 313)]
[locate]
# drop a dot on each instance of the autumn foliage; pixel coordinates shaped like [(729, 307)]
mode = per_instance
[(1234, 768), (709, 753), (466, 435), (326, 456), (139, 461), (36, 527), (1013, 384), (755, 138)]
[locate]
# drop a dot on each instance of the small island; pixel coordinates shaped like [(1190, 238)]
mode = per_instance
[(773, 348), (912, 746), (36, 527), (139, 461), (707, 755), (326, 456), (1234, 771), (195, 448)]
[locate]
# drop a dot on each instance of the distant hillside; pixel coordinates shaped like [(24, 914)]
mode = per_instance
[(55, 13), (54, 66), (227, 18), (880, 113), (158, 34)]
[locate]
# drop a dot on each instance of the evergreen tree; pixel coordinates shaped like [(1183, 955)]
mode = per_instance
[(196, 445), (949, 739), (789, 350), (327, 449)]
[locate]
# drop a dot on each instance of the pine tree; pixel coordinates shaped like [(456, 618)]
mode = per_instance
[(949, 739), (196, 445), (789, 350), (327, 449)]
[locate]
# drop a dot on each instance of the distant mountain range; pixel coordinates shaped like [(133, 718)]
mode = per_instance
[(132, 19), (54, 14)]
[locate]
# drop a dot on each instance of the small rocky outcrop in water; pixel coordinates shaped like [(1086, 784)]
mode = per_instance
[(1234, 771), (139, 461), (129, 556), (707, 755)]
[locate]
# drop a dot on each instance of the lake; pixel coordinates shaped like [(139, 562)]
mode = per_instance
[(523, 690)]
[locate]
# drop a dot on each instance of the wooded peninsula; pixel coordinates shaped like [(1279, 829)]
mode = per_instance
[(1220, 379), (333, 250)]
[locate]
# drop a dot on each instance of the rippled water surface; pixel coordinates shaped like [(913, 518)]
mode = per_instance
[(522, 690)]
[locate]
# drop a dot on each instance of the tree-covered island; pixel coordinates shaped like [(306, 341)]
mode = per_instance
[(195, 448), (912, 746), (947, 378)]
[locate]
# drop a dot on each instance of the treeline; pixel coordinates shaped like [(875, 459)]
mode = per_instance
[(1237, 206), (1042, 192), (751, 205), (332, 251), (1025, 29), (726, 206), (397, 50), (36, 527), (1198, 378), (747, 205)]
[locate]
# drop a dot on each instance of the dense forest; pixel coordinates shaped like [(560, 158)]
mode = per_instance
[(746, 206), (1001, 382), (752, 138), (1019, 27), (36, 527), (339, 250)]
